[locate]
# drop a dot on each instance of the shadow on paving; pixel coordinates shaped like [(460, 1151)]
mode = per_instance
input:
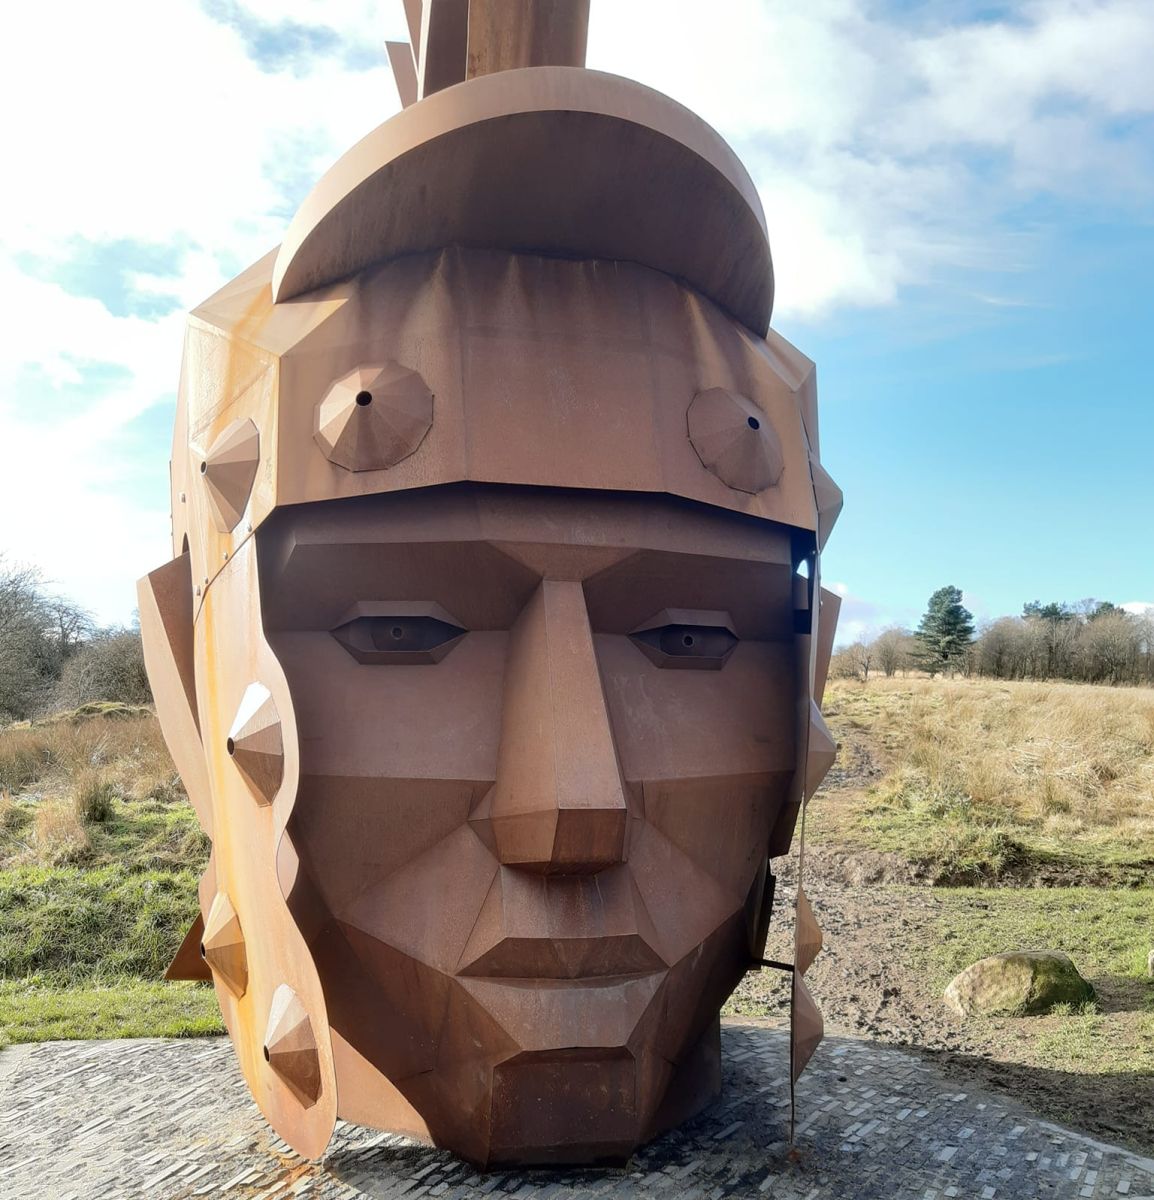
[(1116, 1107)]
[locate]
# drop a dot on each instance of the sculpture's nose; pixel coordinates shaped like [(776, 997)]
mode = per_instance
[(558, 805)]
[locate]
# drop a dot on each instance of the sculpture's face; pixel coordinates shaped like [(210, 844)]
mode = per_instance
[(544, 737)]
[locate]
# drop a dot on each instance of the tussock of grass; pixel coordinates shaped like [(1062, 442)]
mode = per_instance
[(24, 755), (13, 816), (93, 795), (61, 836), (989, 779), (116, 777)]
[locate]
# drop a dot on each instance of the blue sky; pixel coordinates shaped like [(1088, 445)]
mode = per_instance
[(958, 198)]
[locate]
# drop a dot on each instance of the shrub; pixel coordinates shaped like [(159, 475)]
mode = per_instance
[(110, 666)]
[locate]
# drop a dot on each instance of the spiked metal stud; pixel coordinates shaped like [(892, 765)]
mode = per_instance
[(255, 743), (735, 441), (290, 1046), (223, 945), (228, 470), (373, 417)]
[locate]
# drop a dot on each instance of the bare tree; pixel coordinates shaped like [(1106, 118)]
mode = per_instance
[(852, 662), (109, 666), (892, 649), (38, 633)]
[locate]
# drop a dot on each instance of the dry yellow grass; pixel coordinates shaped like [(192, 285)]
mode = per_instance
[(1056, 768), (61, 837), (68, 774), (129, 751)]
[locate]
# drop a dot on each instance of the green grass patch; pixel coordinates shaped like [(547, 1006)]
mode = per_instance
[(100, 854), (957, 841), (1106, 931), (1087, 1042), (32, 1010), (76, 926)]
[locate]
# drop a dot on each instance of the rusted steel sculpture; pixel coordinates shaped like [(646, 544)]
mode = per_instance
[(490, 654)]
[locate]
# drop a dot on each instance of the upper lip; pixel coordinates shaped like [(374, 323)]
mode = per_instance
[(565, 958)]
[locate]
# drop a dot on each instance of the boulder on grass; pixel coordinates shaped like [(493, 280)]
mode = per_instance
[(1015, 985)]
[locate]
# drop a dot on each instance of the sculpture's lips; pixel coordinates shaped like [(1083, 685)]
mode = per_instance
[(565, 958)]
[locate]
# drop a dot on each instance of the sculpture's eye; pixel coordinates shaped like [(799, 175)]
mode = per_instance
[(403, 640), (705, 647)]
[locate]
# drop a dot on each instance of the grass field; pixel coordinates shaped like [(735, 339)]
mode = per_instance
[(1108, 932), (979, 781)]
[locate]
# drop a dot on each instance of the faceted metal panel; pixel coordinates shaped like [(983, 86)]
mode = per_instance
[(290, 1046)]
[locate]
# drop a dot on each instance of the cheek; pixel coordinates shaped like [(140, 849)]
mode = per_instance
[(713, 752), (672, 723), (434, 721), (393, 758)]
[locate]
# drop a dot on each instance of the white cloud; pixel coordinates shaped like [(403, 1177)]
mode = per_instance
[(152, 123), (1140, 608), (887, 152)]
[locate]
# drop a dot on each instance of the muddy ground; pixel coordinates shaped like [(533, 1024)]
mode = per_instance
[(868, 987)]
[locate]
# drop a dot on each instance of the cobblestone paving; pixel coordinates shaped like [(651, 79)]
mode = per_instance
[(166, 1119)]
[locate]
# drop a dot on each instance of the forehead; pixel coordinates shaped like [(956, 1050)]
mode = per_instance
[(479, 551)]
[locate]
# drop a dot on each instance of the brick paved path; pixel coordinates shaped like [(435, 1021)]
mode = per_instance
[(164, 1119)]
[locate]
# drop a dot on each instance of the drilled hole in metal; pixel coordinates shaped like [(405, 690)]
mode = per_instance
[(364, 398), (204, 467), (687, 640), (753, 422), (202, 953), (230, 746), (266, 1057)]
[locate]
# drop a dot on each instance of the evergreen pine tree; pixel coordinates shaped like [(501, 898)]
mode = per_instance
[(946, 630)]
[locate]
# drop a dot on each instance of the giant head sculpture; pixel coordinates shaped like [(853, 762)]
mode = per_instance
[(490, 648)]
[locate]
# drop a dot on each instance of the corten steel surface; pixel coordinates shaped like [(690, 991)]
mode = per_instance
[(492, 647)]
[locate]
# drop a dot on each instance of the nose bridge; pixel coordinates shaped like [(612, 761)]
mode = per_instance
[(559, 803)]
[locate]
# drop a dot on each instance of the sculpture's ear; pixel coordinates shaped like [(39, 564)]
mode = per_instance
[(165, 598), (830, 606), (188, 962)]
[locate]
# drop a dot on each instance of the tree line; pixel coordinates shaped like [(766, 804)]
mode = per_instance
[(1087, 641), (53, 656)]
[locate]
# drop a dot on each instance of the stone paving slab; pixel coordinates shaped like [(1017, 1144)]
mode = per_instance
[(166, 1119)]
